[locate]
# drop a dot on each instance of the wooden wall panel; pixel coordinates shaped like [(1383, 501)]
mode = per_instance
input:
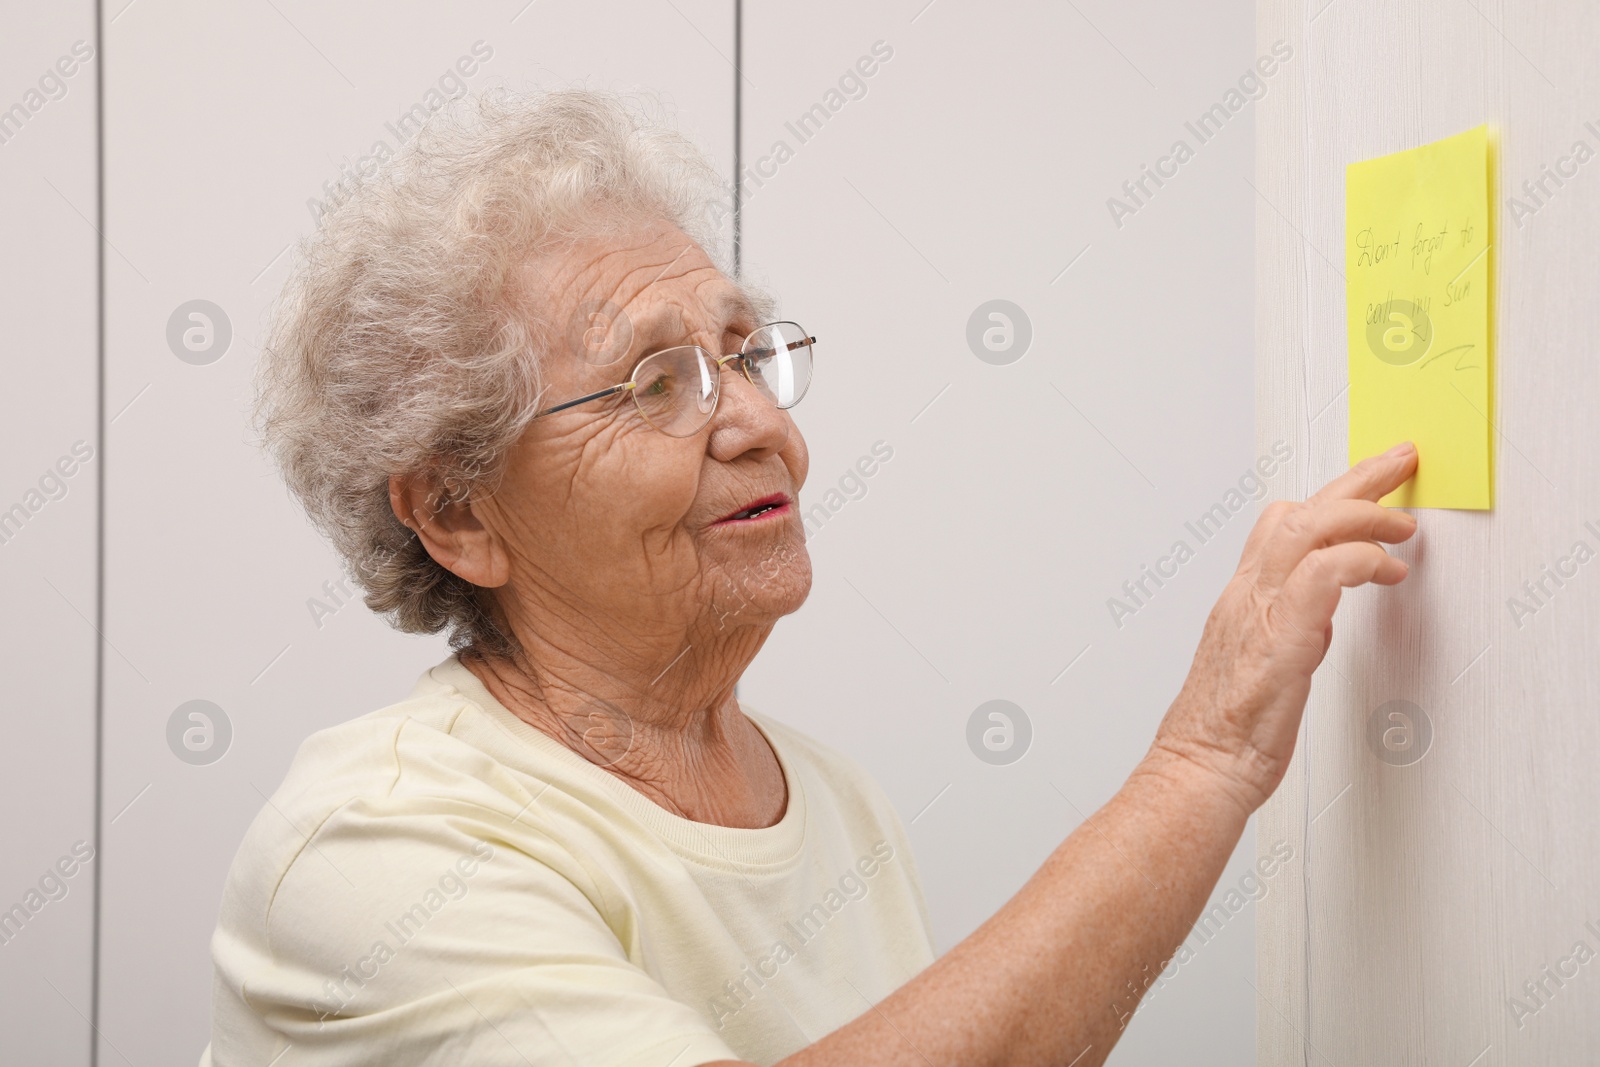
[(1432, 892)]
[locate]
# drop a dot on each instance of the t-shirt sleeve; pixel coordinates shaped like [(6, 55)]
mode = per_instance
[(426, 937)]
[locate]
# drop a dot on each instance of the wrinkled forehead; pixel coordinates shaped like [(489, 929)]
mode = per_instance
[(671, 315), (653, 283), (608, 301)]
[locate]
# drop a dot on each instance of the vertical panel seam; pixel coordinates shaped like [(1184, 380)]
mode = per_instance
[(100, 532), (738, 142)]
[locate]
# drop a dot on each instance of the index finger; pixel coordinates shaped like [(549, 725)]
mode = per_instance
[(1372, 477)]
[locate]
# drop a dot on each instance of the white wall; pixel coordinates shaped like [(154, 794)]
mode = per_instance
[(223, 121), (977, 166), (48, 516), (977, 566), (1433, 891)]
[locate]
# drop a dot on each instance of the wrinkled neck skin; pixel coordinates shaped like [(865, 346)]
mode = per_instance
[(648, 700)]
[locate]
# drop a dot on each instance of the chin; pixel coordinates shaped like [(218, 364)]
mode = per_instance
[(765, 588)]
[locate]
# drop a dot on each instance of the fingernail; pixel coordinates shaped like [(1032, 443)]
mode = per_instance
[(1401, 449)]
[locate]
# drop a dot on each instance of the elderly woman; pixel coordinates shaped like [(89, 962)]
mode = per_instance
[(512, 386)]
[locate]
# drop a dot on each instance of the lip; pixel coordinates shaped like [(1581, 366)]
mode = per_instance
[(776, 504)]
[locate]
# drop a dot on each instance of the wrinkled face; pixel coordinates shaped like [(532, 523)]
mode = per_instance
[(607, 519)]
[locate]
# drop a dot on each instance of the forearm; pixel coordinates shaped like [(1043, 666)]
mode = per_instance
[(1052, 977), (1055, 973)]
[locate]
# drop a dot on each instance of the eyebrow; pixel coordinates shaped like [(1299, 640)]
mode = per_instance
[(729, 307), (737, 303)]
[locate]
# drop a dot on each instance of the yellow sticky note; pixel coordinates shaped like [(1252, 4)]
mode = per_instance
[(1418, 256)]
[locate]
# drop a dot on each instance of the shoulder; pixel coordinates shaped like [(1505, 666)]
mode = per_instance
[(402, 749), (404, 785)]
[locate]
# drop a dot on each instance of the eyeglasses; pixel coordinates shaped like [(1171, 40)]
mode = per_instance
[(676, 389)]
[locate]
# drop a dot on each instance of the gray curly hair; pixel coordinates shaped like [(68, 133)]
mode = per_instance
[(401, 344)]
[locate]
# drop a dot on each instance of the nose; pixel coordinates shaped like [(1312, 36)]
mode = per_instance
[(746, 421)]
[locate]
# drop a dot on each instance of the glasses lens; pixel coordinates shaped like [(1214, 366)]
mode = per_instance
[(778, 357), (676, 390)]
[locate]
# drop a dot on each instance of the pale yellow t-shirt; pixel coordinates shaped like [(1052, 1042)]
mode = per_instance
[(440, 883)]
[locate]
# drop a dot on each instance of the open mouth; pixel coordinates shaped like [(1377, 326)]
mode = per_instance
[(767, 506)]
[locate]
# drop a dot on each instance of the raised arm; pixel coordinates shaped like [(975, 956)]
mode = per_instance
[(1047, 979)]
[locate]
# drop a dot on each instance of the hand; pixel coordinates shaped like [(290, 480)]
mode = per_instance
[(1240, 707)]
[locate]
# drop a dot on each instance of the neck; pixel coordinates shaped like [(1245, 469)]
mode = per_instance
[(654, 710)]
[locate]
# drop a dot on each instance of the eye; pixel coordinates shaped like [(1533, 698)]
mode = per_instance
[(657, 383)]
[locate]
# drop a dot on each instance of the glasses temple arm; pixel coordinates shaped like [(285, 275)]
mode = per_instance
[(790, 347), (584, 399)]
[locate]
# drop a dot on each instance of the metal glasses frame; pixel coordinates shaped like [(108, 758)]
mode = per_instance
[(743, 357)]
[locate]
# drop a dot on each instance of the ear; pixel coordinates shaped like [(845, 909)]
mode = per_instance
[(453, 534)]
